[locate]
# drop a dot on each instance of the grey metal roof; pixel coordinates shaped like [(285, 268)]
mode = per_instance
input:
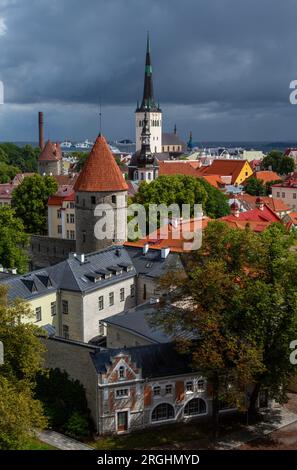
[(171, 139), (151, 264), (71, 274), (29, 286), (156, 360), (138, 321)]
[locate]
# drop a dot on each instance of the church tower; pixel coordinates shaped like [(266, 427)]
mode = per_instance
[(99, 183), (148, 105)]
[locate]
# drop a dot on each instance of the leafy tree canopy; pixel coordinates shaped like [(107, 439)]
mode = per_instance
[(244, 306), (30, 201), (182, 189), (24, 158), (20, 412), (13, 240), (276, 161), (7, 172)]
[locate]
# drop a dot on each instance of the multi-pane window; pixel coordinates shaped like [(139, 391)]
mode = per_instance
[(132, 290), (53, 308), (101, 302), (66, 331), (157, 390), (59, 214), (162, 412), (72, 218), (111, 298), (65, 309), (122, 393), (168, 389), (122, 294), (197, 406), (201, 385), (59, 229), (38, 313), (189, 386), (283, 195), (72, 234)]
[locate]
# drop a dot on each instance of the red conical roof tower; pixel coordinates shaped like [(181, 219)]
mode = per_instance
[(100, 172)]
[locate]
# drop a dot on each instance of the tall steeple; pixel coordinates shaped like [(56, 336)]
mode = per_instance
[(148, 101), (145, 156), (150, 107)]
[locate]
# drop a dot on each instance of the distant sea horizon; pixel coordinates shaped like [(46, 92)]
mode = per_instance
[(264, 146)]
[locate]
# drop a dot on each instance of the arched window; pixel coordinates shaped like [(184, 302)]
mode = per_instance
[(163, 412), (194, 407)]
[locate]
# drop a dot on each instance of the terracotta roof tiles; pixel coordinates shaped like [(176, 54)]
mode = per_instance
[(100, 173)]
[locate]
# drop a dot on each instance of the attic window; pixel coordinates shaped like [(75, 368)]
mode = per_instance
[(116, 270), (46, 280), (149, 264), (93, 277), (30, 284)]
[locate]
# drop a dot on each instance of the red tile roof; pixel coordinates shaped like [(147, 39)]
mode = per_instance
[(266, 176), (254, 215), (100, 172), (214, 180), (64, 193), (183, 167), (226, 168), (51, 152), (277, 205)]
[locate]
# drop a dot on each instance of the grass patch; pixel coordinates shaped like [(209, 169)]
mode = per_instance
[(35, 444), (148, 438)]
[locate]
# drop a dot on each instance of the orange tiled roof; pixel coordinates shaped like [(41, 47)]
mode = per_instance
[(50, 152), (175, 239), (266, 176), (64, 193), (100, 172), (226, 168), (214, 180), (183, 167), (277, 205)]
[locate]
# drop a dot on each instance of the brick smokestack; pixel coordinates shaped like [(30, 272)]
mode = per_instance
[(41, 130)]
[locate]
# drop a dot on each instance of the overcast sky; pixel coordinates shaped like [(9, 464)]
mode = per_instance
[(222, 68)]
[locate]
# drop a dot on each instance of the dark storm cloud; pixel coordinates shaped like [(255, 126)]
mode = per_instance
[(216, 62)]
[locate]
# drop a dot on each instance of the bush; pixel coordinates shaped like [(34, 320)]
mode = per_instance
[(77, 426)]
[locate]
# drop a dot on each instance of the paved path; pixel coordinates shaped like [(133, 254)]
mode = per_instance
[(275, 419), (60, 441)]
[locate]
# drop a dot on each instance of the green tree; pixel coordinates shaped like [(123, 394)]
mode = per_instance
[(276, 161), (7, 172), (30, 201), (242, 288), (180, 189), (23, 157), (81, 158), (20, 412), (255, 187), (13, 240), (63, 399)]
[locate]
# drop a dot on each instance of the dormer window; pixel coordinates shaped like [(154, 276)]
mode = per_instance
[(122, 372)]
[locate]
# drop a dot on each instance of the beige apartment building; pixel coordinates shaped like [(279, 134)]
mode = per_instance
[(287, 192), (61, 213)]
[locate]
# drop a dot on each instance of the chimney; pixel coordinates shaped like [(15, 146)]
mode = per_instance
[(235, 208), (81, 257), (260, 203), (41, 130), (145, 248), (165, 252)]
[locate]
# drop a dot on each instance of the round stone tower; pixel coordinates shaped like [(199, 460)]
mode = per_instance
[(50, 159), (100, 201)]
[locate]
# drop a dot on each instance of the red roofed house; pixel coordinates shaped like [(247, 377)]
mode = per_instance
[(233, 172), (61, 213), (257, 219), (189, 168), (291, 220), (50, 159), (248, 202), (100, 182)]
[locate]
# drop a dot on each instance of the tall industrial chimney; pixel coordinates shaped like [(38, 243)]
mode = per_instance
[(41, 131)]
